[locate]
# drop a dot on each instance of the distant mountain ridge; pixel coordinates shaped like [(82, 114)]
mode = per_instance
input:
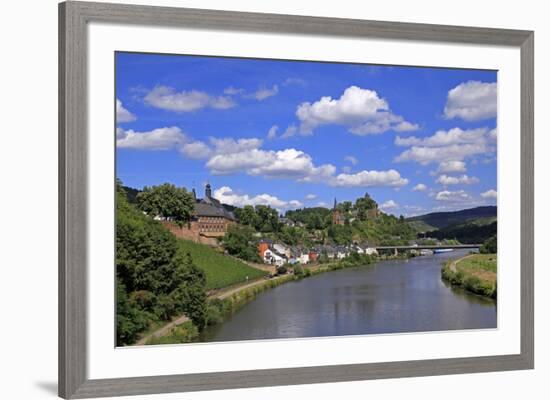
[(439, 220)]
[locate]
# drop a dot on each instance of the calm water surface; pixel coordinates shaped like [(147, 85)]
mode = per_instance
[(387, 297)]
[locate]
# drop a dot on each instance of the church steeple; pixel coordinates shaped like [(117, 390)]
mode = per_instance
[(208, 191), (335, 204)]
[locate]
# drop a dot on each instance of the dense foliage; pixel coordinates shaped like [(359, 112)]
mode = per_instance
[(466, 233), (240, 242), (167, 201), (131, 194), (293, 235), (220, 269), (155, 280), (444, 219), (261, 218), (311, 218), (489, 246), (383, 230)]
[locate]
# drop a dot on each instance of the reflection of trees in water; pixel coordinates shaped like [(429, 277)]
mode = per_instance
[(471, 297)]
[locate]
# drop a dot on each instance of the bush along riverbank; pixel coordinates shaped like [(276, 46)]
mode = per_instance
[(476, 273), (218, 310)]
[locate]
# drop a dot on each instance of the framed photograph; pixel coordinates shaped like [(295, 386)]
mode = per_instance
[(255, 200)]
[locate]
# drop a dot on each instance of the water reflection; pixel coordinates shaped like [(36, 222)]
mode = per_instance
[(389, 297)]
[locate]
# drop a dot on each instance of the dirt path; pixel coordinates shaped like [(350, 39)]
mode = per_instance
[(222, 294), (164, 330), (453, 264)]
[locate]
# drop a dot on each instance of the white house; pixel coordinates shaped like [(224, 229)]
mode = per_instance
[(282, 249), (271, 257), (341, 253), (304, 258), (371, 250)]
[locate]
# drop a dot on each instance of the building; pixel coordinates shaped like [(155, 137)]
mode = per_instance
[(210, 217), (337, 216), (270, 256)]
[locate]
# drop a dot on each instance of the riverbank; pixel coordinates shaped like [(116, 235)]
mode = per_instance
[(476, 273), (224, 302)]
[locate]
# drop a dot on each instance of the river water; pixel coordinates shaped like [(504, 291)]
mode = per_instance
[(386, 297)]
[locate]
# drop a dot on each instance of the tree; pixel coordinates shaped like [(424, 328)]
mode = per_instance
[(489, 246), (363, 205), (247, 216), (268, 219), (293, 235), (340, 234), (155, 281), (167, 201), (239, 241)]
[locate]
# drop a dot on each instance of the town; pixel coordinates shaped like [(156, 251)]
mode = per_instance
[(231, 254)]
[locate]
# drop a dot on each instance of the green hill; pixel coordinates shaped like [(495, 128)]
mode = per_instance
[(466, 233), (479, 216), (221, 270)]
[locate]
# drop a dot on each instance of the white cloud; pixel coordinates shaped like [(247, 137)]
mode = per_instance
[(196, 150), (351, 159), (232, 91), (272, 133), (122, 114), (230, 145), (489, 194), (457, 180), (445, 146), (157, 139), (361, 110), (311, 196), (388, 205), (451, 166), (472, 101), (289, 132), (227, 196), (419, 188), (168, 98), (322, 204), (264, 93), (288, 163), (450, 196), (346, 169), (370, 178), (405, 126)]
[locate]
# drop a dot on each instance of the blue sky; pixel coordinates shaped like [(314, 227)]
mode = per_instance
[(298, 134)]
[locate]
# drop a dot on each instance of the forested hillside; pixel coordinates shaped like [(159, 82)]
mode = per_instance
[(439, 220)]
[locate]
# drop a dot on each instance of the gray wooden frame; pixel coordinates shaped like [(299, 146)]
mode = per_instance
[(73, 172)]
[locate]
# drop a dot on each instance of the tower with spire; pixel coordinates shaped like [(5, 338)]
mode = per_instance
[(337, 217)]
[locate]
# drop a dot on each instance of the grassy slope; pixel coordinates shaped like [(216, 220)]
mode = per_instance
[(221, 270)]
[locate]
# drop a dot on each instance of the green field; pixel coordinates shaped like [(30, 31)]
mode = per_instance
[(476, 273), (221, 270), (480, 264)]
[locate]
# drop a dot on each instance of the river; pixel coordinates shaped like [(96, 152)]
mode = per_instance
[(386, 297)]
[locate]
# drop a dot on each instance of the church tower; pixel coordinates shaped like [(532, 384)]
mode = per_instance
[(337, 216), (208, 191)]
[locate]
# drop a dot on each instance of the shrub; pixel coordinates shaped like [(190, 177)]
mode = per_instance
[(281, 270)]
